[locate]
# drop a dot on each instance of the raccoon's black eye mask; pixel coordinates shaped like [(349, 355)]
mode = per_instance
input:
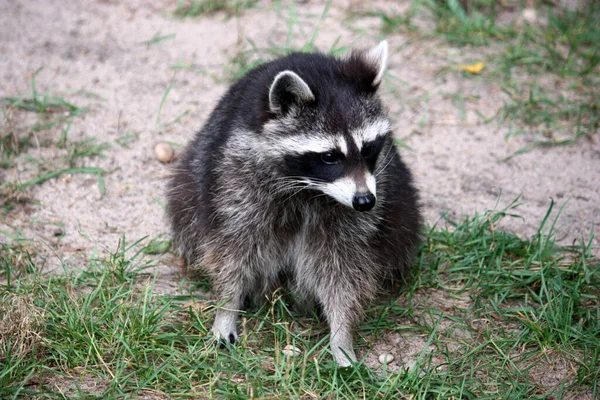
[(370, 150), (323, 166)]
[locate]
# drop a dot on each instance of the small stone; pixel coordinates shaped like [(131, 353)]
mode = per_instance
[(386, 358), (291, 351), (530, 15), (164, 152)]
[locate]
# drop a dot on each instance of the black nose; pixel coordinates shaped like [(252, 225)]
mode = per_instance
[(363, 202)]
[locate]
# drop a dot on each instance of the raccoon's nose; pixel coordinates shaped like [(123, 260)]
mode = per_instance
[(363, 201)]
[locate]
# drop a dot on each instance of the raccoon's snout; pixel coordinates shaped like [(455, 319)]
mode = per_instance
[(351, 192), (363, 201)]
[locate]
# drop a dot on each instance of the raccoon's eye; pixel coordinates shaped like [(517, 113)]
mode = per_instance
[(331, 158)]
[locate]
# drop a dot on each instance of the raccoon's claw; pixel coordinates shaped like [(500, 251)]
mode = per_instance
[(224, 341), (342, 348), (344, 359), (224, 328), (224, 337)]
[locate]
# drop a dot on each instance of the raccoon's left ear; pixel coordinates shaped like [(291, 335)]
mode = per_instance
[(287, 90), (376, 58)]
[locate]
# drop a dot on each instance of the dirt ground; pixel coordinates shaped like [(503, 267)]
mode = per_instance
[(96, 46)]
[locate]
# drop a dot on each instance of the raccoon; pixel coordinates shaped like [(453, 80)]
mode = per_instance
[(295, 181)]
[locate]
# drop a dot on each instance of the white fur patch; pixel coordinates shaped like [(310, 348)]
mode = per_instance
[(371, 183), (342, 190), (343, 145), (371, 131), (302, 144)]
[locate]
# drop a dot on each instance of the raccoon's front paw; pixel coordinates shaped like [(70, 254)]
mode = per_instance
[(224, 327)]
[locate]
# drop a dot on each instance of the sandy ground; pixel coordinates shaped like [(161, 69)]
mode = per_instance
[(95, 46)]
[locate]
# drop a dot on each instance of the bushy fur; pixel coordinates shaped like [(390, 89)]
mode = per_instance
[(240, 212)]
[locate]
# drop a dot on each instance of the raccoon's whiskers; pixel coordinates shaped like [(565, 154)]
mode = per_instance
[(297, 183), (390, 156), (290, 190), (318, 194), (285, 185)]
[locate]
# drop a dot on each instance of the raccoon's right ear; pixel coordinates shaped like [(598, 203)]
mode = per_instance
[(287, 90), (376, 58)]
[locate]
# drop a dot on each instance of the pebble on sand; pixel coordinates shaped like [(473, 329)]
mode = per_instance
[(530, 15), (386, 358), (164, 152), (291, 351)]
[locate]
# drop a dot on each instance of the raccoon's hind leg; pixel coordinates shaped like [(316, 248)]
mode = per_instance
[(342, 292), (340, 324), (342, 307)]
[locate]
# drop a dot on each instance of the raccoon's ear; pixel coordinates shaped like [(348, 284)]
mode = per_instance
[(376, 58), (288, 89)]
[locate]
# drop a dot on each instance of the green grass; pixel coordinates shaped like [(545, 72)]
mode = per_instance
[(194, 8), (83, 149), (473, 25), (158, 245), (551, 119), (569, 45), (510, 307), (52, 110), (16, 261), (127, 139), (52, 113), (10, 190), (157, 38), (567, 49), (53, 174), (461, 23)]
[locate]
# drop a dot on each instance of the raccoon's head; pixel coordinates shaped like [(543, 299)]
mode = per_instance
[(328, 129)]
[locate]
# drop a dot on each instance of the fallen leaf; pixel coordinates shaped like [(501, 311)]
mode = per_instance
[(473, 68), (197, 306)]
